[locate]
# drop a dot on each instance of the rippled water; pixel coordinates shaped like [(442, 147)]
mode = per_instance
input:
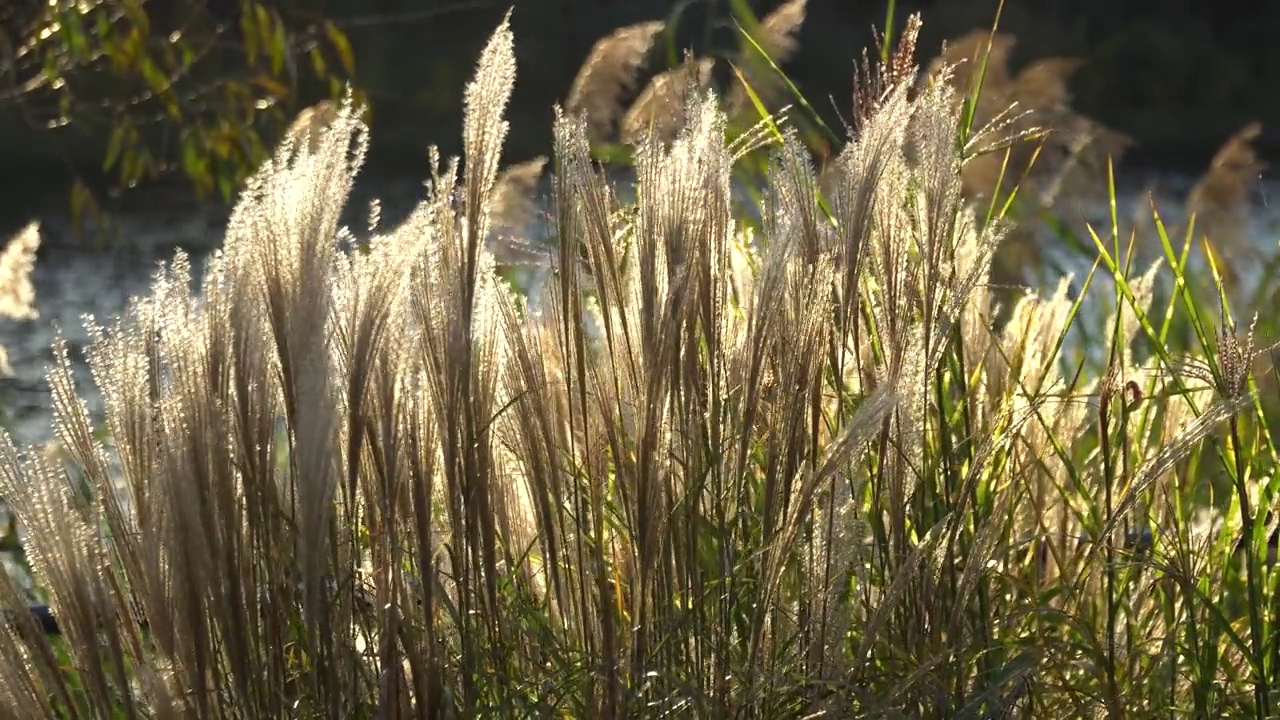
[(72, 282)]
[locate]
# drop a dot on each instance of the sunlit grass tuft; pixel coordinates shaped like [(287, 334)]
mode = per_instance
[(792, 468)]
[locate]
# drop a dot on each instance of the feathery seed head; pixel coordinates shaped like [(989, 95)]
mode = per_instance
[(609, 73)]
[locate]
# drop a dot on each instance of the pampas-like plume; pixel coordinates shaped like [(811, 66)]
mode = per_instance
[(609, 73), (962, 58), (873, 82), (484, 132), (455, 305), (1042, 85), (17, 294), (1073, 150), (1073, 161), (308, 127), (1220, 198), (777, 39), (514, 204), (659, 111), (778, 30), (295, 235)]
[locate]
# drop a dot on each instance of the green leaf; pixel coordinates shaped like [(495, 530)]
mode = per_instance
[(279, 48), (72, 31), (317, 62), (116, 144), (191, 162), (889, 16), (187, 55), (103, 29), (342, 46), (611, 153), (758, 104), (263, 18), (795, 91), (138, 16), (249, 36), (746, 20)]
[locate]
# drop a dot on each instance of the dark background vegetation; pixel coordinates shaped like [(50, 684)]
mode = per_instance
[(1178, 75)]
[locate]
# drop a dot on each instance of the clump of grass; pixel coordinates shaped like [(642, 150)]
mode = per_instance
[(792, 472)]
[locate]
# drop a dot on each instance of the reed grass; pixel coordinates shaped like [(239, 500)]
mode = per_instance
[(791, 469)]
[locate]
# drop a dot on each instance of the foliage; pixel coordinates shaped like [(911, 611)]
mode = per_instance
[(188, 87), (717, 472)]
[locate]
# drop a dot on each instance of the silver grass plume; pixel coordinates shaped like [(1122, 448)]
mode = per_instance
[(777, 38), (456, 305), (608, 74), (288, 216), (308, 127), (514, 203), (961, 60), (17, 294), (778, 30), (659, 111), (1220, 199), (483, 132)]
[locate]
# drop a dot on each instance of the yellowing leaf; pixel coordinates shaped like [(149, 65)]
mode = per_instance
[(342, 46)]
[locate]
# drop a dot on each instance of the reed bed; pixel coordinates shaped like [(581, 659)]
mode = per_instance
[(786, 469)]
